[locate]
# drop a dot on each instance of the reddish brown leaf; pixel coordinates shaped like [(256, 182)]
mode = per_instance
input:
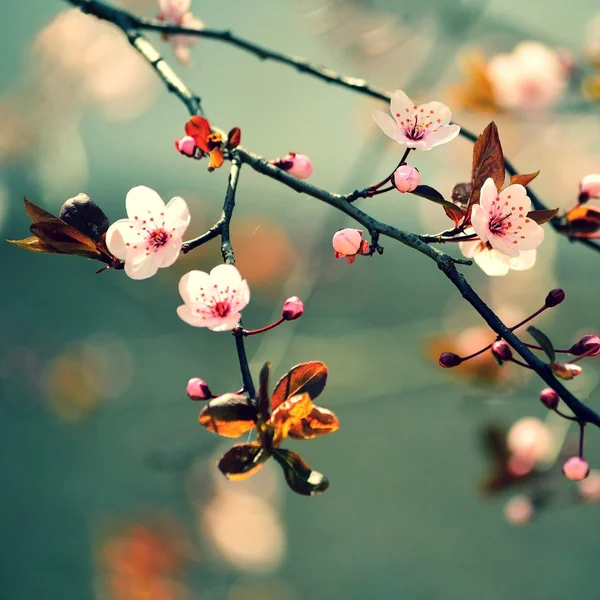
[(543, 216), (488, 161), (319, 421), (309, 377), (36, 213), (298, 475), (199, 128), (290, 412), (65, 238), (583, 220), (234, 137), (242, 461), (216, 159), (455, 213), (34, 244), (525, 179), (229, 415)]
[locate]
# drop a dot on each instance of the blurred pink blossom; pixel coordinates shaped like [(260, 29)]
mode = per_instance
[(589, 488), (519, 510), (178, 12), (576, 468)]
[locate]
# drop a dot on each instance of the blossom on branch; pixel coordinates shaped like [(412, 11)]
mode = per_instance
[(178, 12), (492, 262), (501, 219), (199, 131), (420, 127), (213, 300), (347, 243), (298, 165), (151, 237)]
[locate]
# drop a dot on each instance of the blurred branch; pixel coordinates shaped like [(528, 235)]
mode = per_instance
[(445, 262)]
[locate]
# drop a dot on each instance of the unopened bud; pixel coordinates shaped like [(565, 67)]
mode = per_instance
[(566, 371), (501, 351), (186, 145), (292, 308), (576, 468), (555, 297), (549, 398), (449, 360), (406, 178), (519, 510), (589, 187), (197, 389), (587, 344), (298, 165)]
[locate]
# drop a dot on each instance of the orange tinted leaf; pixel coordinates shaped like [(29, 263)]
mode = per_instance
[(234, 137), (426, 191), (36, 213), (229, 415), (543, 216), (263, 390), (318, 422), (525, 179), (242, 461), (488, 161), (583, 219), (65, 238), (288, 413), (309, 377), (298, 475), (199, 128), (216, 159), (34, 244), (455, 213)]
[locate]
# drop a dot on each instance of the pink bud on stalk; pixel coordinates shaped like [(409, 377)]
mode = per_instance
[(406, 178), (589, 187), (555, 297), (576, 468), (448, 360), (197, 389), (298, 165), (549, 398), (588, 345), (186, 146), (347, 243), (292, 308), (501, 350)]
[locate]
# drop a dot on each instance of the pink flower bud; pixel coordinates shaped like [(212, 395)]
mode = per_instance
[(549, 398), (292, 308), (501, 351), (566, 371), (295, 164), (588, 343), (186, 145), (589, 187), (519, 510), (555, 297), (576, 468), (197, 389), (449, 360), (406, 178), (589, 489), (348, 243)]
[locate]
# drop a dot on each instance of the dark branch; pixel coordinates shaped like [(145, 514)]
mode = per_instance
[(228, 206)]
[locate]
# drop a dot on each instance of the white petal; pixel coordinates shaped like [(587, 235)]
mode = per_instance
[(385, 122), (141, 268), (471, 248), (116, 238), (399, 103), (177, 216), (243, 296), (169, 253), (443, 135), (181, 51), (533, 235), (440, 111), (480, 222), (524, 261), (226, 276), (488, 195), (518, 197), (502, 245), (400, 137), (143, 202), (191, 284), (492, 263), (186, 314), (225, 324)]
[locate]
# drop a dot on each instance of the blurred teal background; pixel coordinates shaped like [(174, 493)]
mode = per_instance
[(95, 428)]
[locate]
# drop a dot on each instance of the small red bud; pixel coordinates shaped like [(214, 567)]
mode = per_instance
[(292, 308), (588, 343), (197, 389), (555, 297), (501, 351), (549, 398), (576, 468), (449, 360)]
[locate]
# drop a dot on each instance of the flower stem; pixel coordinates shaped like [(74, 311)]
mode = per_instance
[(238, 333), (247, 332)]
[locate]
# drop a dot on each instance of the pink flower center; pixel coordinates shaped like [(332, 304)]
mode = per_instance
[(418, 124), (221, 309), (158, 238), (499, 224)]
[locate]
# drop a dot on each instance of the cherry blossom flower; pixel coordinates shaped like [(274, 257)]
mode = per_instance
[(151, 237), (347, 243), (177, 12), (501, 219), (419, 127), (492, 262), (213, 300), (533, 76)]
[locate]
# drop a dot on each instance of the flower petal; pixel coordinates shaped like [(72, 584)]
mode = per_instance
[(516, 195), (524, 261), (503, 245), (177, 216), (443, 135), (226, 276), (492, 263), (116, 236), (385, 122), (399, 103), (225, 323), (189, 316), (140, 265), (488, 195), (480, 222), (532, 234), (191, 284), (142, 201), (242, 298), (434, 111), (169, 253)]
